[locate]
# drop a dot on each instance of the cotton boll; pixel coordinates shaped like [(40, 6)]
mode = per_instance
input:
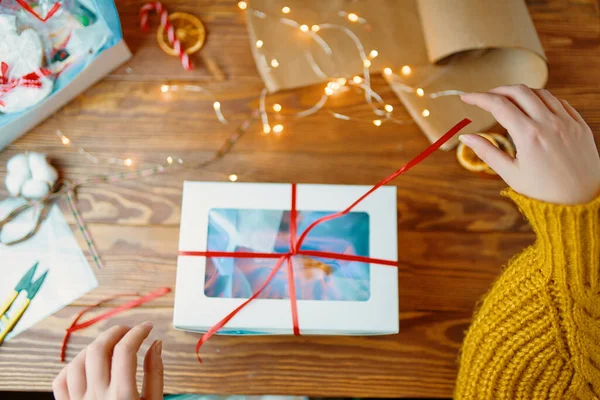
[(19, 166), (34, 189), (29, 175), (40, 169), (14, 183)]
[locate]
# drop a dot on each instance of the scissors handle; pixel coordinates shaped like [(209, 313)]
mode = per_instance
[(6, 305), (10, 323)]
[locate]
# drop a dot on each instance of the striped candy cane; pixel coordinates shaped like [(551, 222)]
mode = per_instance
[(156, 6)]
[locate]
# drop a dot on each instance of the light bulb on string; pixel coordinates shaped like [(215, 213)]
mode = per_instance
[(406, 70), (373, 54), (274, 63), (128, 162), (242, 5), (357, 79), (420, 92), (387, 71), (425, 113), (259, 44), (315, 28), (352, 17), (164, 88), (377, 122), (170, 160), (388, 108), (328, 91), (278, 128), (266, 129), (65, 140), (304, 28), (233, 177), (286, 10), (276, 107), (366, 63)]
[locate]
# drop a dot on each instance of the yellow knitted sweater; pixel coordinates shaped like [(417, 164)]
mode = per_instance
[(536, 335)]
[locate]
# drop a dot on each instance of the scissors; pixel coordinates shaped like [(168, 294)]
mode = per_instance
[(30, 287)]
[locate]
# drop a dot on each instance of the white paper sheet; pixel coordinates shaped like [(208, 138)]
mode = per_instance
[(54, 246)]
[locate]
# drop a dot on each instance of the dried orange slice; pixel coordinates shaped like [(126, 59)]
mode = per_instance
[(188, 29), (505, 145), (467, 157)]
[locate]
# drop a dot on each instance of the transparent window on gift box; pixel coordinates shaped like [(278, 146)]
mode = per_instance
[(268, 231)]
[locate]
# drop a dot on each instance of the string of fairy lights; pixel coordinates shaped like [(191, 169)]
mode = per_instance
[(383, 111), (337, 84)]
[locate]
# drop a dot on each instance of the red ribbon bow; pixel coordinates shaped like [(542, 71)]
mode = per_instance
[(31, 80), (296, 243)]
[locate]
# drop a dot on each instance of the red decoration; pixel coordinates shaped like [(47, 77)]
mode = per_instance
[(31, 11), (166, 24), (31, 80), (108, 314)]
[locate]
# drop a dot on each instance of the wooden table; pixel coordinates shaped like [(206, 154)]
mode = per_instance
[(455, 231)]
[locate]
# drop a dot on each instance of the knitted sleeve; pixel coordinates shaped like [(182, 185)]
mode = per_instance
[(536, 334)]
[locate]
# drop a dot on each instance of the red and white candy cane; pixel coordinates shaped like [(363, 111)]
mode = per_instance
[(157, 7)]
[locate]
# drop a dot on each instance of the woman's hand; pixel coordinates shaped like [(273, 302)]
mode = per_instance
[(106, 368), (557, 160)]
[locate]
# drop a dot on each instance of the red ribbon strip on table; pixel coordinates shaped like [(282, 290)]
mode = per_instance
[(31, 80), (31, 11), (108, 314), (296, 244)]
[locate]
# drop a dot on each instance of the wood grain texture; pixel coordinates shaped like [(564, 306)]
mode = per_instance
[(455, 230)]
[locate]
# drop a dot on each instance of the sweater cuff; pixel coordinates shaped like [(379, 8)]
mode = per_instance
[(568, 238)]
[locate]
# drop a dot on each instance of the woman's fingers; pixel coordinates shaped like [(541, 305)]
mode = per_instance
[(76, 380), (550, 101), (99, 355), (499, 161), (124, 362), (573, 112), (506, 113), (152, 388), (525, 99), (59, 385)]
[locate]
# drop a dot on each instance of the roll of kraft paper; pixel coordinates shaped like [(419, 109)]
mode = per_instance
[(465, 45)]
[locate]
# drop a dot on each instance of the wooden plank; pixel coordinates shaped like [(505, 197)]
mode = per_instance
[(455, 231), (420, 361), (430, 197)]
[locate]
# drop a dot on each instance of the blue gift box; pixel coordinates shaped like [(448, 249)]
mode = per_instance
[(86, 71)]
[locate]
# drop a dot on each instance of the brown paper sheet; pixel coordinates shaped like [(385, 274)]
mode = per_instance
[(468, 45)]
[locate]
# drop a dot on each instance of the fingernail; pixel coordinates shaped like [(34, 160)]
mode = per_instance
[(466, 139), (148, 323), (158, 347)]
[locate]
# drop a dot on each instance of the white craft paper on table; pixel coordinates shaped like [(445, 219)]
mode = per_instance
[(54, 246)]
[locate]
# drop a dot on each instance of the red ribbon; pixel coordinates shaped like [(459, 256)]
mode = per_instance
[(31, 80), (108, 314), (31, 11), (296, 244)]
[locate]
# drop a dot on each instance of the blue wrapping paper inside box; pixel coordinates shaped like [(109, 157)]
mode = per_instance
[(316, 278)]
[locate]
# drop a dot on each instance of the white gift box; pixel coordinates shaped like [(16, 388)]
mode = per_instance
[(334, 297)]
